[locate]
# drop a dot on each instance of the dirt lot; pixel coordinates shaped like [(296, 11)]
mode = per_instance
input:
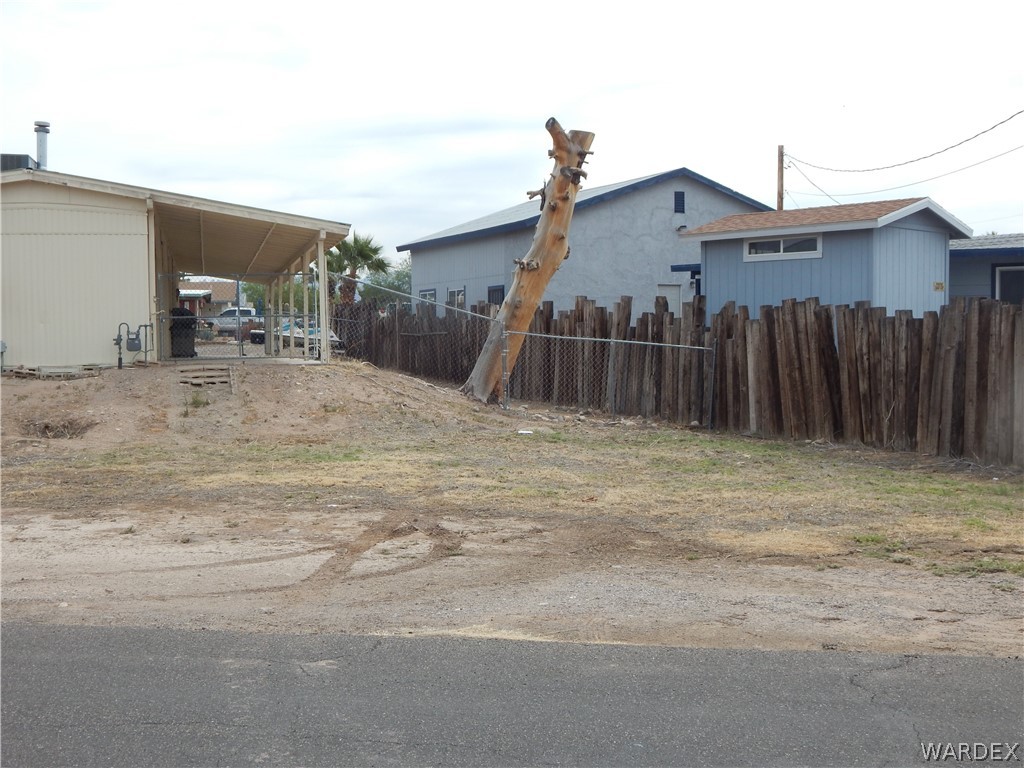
[(344, 498)]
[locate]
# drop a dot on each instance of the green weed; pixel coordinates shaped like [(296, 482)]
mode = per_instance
[(870, 538), (878, 545), (978, 524), (198, 400), (303, 454), (979, 566)]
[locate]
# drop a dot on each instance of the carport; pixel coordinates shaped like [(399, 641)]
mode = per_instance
[(87, 259), (283, 252)]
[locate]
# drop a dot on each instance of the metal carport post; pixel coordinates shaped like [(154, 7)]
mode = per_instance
[(321, 267)]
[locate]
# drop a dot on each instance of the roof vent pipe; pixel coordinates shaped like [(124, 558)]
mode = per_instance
[(42, 128)]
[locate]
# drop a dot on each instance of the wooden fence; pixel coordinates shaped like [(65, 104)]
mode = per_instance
[(948, 384)]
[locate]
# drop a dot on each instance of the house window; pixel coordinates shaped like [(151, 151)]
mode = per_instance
[(1009, 282), (680, 206), (495, 294), (430, 295), (457, 298), (780, 248)]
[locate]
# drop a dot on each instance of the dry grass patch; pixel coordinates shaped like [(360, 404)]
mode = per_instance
[(421, 447), (780, 543), (60, 426)]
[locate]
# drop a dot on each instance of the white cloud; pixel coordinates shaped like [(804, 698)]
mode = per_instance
[(406, 118)]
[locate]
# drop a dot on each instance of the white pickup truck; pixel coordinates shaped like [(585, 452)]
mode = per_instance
[(227, 322)]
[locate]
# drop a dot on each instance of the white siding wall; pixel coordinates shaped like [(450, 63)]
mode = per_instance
[(74, 266)]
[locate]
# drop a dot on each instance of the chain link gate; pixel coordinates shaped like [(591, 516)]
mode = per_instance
[(220, 319)]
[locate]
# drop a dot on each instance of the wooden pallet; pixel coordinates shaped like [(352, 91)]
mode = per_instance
[(53, 372), (206, 375)]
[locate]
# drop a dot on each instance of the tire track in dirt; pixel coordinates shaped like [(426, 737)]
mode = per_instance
[(394, 526), (241, 561)]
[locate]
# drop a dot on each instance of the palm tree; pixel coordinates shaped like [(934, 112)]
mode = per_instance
[(350, 258)]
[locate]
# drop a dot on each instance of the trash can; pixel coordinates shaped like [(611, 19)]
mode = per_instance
[(183, 333)]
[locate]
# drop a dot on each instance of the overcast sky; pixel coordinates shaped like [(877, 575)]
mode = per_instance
[(406, 118)]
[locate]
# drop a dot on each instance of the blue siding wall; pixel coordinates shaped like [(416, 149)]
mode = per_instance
[(911, 268), (841, 276), (971, 275)]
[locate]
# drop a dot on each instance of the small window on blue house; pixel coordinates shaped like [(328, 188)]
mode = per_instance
[(495, 294), (430, 295), (781, 248), (680, 206), (1009, 282)]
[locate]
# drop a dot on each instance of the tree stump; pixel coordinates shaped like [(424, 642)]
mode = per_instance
[(549, 249)]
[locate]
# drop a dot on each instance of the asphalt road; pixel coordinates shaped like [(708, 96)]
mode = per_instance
[(149, 697)]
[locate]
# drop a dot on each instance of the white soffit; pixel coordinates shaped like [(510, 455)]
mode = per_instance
[(212, 237)]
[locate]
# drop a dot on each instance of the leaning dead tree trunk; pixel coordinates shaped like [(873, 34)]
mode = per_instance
[(549, 249)]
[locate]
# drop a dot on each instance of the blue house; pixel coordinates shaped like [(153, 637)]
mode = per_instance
[(893, 253), (623, 241), (991, 266)]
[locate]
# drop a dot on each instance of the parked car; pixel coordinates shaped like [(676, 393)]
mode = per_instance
[(228, 321), (285, 335)]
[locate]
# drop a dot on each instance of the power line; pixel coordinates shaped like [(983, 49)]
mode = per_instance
[(903, 186), (906, 162), (1015, 217), (792, 200), (826, 194)]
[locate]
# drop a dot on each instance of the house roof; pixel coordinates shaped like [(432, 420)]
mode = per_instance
[(219, 290), (989, 245), (193, 293), (527, 215), (830, 218), (210, 237)]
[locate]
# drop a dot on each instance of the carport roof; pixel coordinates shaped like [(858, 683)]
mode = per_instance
[(210, 237)]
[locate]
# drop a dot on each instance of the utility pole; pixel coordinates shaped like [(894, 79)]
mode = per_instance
[(778, 196)]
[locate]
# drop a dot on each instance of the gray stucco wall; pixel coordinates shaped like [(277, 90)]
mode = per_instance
[(841, 276), (625, 245), (474, 265)]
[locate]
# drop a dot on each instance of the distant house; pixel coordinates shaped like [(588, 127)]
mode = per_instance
[(991, 266), (210, 297), (893, 253), (623, 241), (194, 299)]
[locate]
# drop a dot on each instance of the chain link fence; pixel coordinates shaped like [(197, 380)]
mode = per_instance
[(258, 316), (569, 360), (617, 376), (622, 377), (419, 336)]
